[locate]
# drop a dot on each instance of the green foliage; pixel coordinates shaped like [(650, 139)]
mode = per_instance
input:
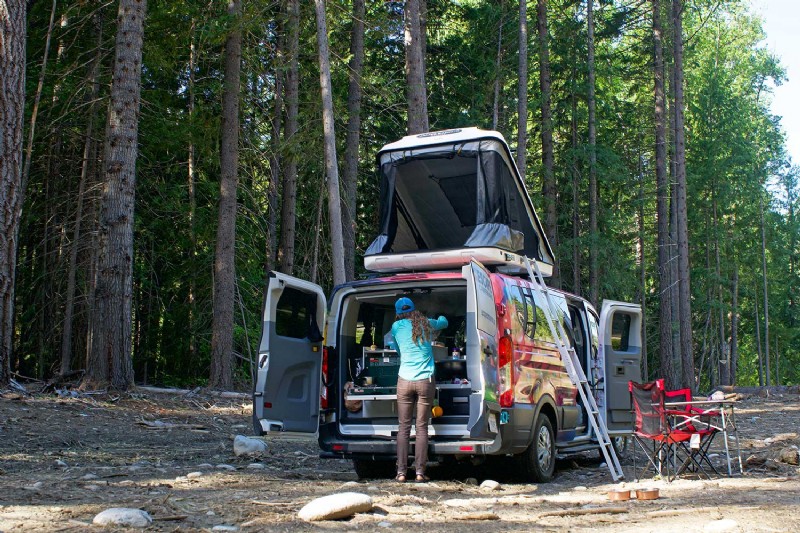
[(735, 157)]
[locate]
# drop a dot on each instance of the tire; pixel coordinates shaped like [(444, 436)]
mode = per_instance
[(538, 462), (369, 469), (621, 448)]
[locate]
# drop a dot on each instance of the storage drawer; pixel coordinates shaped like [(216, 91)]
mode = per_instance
[(454, 401)]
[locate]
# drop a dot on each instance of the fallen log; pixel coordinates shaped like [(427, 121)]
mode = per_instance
[(586, 510)]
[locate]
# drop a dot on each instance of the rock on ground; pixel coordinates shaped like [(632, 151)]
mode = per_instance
[(120, 516), (335, 506), (248, 446)]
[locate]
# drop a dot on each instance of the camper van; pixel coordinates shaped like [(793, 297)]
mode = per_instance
[(456, 227)]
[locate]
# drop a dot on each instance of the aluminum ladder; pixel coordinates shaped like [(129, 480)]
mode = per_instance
[(575, 371)]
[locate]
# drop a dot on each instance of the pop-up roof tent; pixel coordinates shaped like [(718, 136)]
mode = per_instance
[(449, 196)]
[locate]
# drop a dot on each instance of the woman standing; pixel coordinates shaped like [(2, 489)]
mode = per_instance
[(412, 332)]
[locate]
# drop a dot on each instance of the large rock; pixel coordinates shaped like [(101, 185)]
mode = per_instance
[(335, 506), (120, 516), (248, 446)]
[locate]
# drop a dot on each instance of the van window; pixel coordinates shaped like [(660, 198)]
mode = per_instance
[(526, 312), (620, 331), (296, 315)]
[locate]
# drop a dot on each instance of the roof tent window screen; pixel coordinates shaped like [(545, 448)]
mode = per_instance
[(456, 196)]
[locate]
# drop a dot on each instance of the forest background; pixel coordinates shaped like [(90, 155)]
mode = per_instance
[(575, 96)]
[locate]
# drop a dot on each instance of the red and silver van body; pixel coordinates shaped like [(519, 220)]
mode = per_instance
[(325, 367)]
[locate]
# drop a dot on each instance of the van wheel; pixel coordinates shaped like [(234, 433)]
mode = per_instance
[(369, 469), (620, 445), (538, 462)]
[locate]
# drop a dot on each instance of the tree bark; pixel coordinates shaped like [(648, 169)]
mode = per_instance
[(192, 185), (415, 69), (289, 206), (26, 169), (767, 373), (549, 181), (522, 90), (331, 163), (684, 289), (758, 339), (276, 160), (498, 71), (110, 360), (733, 362), (594, 289), (667, 364), (224, 264), (88, 144), (576, 206), (12, 115), (350, 181)]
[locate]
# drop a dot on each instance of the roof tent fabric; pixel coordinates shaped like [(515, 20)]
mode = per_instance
[(458, 195)]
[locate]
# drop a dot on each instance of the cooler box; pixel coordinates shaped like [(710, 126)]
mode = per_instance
[(383, 369)]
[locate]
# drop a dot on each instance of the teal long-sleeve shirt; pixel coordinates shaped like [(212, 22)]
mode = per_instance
[(416, 360)]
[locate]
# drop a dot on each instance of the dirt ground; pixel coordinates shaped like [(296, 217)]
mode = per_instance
[(64, 459)]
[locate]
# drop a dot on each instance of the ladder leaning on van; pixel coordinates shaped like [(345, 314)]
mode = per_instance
[(575, 371)]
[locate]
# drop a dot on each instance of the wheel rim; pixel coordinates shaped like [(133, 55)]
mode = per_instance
[(620, 443), (544, 453)]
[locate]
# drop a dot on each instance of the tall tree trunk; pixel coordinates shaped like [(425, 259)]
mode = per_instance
[(275, 161), (12, 115), (522, 90), (722, 367), (26, 169), (415, 69), (549, 180), (110, 360), (289, 206), (498, 71), (733, 354), (766, 293), (667, 363), (331, 163), (192, 185), (758, 339), (350, 181), (316, 249), (594, 289), (225, 264), (576, 205), (640, 257), (88, 148), (684, 289)]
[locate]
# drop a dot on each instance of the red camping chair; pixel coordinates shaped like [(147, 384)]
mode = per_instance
[(685, 417), (668, 448)]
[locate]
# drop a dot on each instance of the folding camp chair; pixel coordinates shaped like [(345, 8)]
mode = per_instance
[(671, 445), (682, 416)]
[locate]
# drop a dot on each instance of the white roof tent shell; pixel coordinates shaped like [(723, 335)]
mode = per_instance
[(451, 195)]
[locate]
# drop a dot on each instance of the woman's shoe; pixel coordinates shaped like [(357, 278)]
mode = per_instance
[(400, 478), (422, 478)]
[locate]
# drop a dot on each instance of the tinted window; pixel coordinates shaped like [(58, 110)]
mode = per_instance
[(620, 331), (296, 315)]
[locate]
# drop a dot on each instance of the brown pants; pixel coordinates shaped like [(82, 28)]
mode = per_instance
[(409, 393)]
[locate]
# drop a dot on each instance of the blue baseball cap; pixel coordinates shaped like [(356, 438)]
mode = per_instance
[(403, 305)]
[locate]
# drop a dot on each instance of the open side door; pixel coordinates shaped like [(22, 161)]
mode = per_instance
[(620, 343), (286, 398), (481, 348)]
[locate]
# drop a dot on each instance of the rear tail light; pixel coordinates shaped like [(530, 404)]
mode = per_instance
[(323, 392), (505, 371)]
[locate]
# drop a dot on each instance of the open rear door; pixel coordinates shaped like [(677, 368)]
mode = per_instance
[(481, 347), (287, 392), (621, 357)]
